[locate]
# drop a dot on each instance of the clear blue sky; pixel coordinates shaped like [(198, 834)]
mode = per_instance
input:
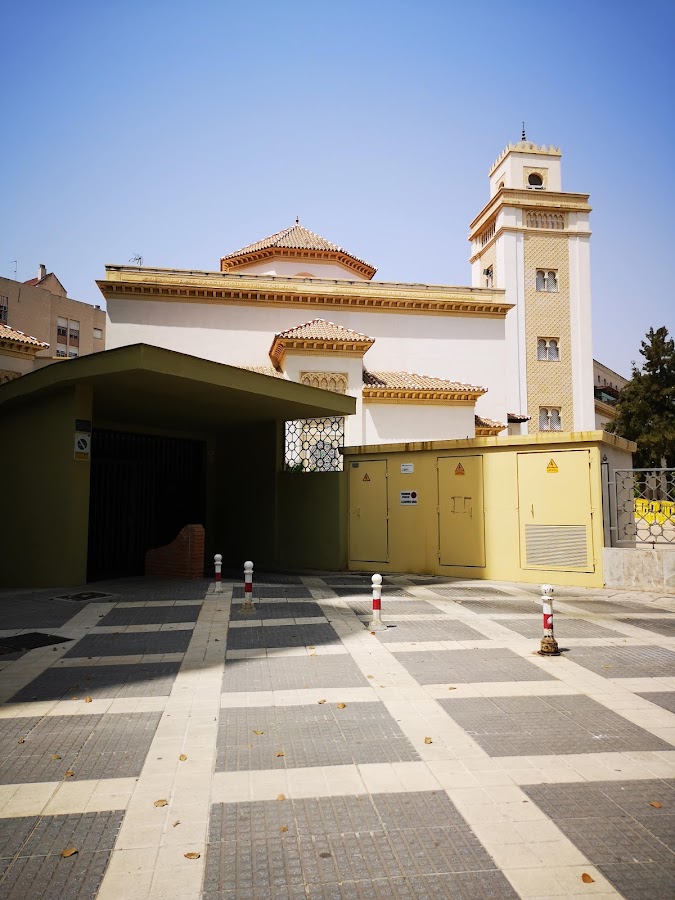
[(181, 131)]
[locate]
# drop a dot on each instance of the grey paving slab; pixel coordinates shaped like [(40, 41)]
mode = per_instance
[(91, 746), (614, 825), (131, 643), (564, 627), (101, 682), (292, 673), (475, 592), (345, 847), (279, 610), (30, 611), (263, 577), (462, 666), (264, 592), (28, 640), (625, 662), (317, 735), (395, 607), (666, 627), (281, 636), (151, 615), (366, 592), (534, 726), (664, 699), (33, 868), (436, 630), (150, 589)]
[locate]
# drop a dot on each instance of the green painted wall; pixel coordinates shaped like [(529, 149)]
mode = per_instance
[(312, 516), (44, 509)]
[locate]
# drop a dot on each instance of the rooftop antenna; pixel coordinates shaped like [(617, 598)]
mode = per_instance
[(14, 263), (137, 259), (297, 220), (522, 136)]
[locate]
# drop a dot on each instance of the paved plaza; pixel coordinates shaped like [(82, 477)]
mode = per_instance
[(161, 740)]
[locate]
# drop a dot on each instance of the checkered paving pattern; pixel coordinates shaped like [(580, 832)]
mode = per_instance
[(256, 638), (131, 643), (462, 666), (40, 612), (91, 746), (318, 735), (101, 682), (535, 726), (383, 845), (565, 627), (31, 864), (410, 790), (444, 630), (151, 615), (291, 673), (303, 609), (618, 829), (625, 662)]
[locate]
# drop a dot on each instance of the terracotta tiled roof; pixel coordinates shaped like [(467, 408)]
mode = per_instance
[(517, 417), (11, 334), (297, 237), (263, 370), (321, 330), (409, 381), (33, 281), (482, 422)]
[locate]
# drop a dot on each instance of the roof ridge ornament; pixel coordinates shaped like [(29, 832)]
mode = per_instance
[(522, 134)]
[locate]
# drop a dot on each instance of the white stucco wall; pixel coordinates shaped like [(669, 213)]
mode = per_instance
[(510, 171), (393, 423), (458, 348), (293, 267)]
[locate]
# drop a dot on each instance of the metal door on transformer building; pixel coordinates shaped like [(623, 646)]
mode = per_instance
[(555, 511), (461, 515), (368, 511)]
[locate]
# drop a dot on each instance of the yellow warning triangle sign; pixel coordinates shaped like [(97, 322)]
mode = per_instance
[(552, 467), (459, 469), (366, 477)]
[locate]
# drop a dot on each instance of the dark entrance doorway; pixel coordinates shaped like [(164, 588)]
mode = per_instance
[(143, 490)]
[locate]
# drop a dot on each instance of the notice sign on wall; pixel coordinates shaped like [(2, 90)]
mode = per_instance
[(82, 445), (407, 468), (408, 498)]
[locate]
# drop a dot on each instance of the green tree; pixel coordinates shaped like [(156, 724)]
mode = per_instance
[(645, 410)]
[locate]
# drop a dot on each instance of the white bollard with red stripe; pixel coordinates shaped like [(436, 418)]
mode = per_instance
[(377, 624), (248, 583), (218, 565), (549, 645)]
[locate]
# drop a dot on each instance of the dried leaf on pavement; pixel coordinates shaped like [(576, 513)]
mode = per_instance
[(87, 699), (281, 797), (283, 828), (280, 752), (192, 855), (69, 774), (427, 740), (586, 878), (182, 757), (161, 803), (321, 702), (341, 705), (258, 732), (55, 756), (69, 851), (655, 804)]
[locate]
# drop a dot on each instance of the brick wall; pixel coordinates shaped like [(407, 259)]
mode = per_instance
[(182, 558)]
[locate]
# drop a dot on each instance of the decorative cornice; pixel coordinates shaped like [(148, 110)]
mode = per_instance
[(315, 347), (604, 409), (523, 229), (556, 201), (166, 285), (18, 349), (229, 264), (400, 395), (526, 147)]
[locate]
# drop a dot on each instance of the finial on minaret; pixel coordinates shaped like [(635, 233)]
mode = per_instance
[(297, 220), (522, 136)]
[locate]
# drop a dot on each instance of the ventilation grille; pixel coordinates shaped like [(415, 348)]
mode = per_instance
[(556, 546)]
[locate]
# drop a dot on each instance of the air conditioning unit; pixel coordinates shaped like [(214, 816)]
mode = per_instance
[(535, 187)]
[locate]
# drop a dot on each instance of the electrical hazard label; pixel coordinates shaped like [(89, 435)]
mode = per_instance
[(366, 477), (552, 466), (459, 469), (408, 498)]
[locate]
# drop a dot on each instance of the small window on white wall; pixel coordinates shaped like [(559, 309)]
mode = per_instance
[(547, 280), (549, 418), (548, 349)]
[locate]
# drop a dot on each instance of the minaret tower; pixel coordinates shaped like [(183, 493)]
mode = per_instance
[(533, 240)]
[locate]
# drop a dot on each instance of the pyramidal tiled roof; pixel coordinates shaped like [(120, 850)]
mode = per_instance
[(409, 381), (482, 422), (11, 334), (321, 330), (297, 237)]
